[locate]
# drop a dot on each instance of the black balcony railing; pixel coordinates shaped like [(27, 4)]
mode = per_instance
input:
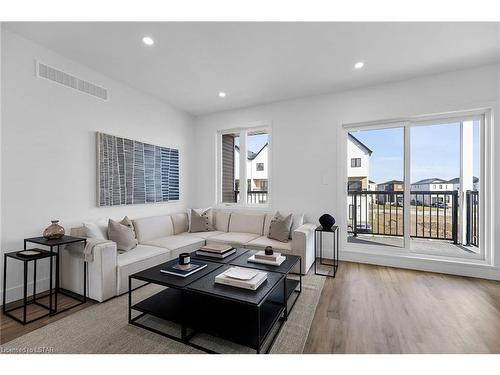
[(253, 196), (432, 214), (472, 199)]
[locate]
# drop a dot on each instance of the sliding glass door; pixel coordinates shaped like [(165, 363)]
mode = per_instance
[(416, 185), (375, 186)]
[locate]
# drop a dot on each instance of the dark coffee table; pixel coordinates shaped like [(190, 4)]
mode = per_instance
[(247, 317), (292, 286), (170, 303), (250, 318)]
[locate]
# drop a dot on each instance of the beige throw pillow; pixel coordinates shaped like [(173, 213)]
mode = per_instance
[(279, 229), (122, 233), (200, 222)]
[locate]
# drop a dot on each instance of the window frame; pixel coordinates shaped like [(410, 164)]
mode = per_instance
[(355, 160), (244, 131)]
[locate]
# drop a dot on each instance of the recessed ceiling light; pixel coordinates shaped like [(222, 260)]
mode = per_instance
[(222, 94), (359, 65), (147, 40)]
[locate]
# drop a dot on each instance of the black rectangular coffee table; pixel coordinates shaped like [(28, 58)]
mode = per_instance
[(170, 303), (285, 268), (250, 318), (246, 317)]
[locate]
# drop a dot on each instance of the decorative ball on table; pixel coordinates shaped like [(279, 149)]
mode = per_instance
[(327, 221)]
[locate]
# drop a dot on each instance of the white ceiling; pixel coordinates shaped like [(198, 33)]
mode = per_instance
[(263, 62)]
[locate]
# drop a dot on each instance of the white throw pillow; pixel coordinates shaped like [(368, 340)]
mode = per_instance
[(98, 229)]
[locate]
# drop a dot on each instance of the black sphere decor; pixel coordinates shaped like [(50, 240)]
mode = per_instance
[(326, 221)]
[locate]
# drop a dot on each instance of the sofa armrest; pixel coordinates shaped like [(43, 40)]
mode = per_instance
[(303, 245), (101, 280)]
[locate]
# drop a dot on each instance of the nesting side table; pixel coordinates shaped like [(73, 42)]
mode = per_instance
[(318, 248), (44, 254), (57, 243)]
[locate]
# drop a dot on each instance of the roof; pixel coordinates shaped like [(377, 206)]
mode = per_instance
[(359, 143), (392, 182), (456, 180), (250, 154), (433, 180), (371, 182)]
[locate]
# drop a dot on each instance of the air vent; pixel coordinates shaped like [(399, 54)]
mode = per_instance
[(54, 75)]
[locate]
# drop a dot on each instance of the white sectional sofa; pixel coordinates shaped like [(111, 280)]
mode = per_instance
[(162, 238)]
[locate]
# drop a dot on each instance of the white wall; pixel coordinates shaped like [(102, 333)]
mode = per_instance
[(305, 141), (49, 151)]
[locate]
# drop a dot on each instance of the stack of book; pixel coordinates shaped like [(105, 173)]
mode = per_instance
[(219, 251), (274, 260), (184, 270), (242, 278)]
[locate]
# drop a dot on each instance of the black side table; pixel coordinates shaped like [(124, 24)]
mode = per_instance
[(14, 255), (57, 243), (334, 263)]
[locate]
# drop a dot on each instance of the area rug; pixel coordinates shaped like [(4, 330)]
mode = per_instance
[(103, 328)]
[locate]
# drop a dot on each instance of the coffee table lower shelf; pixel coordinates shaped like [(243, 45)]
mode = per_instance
[(216, 319)]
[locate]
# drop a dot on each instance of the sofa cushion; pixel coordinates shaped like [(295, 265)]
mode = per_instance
[(178, 244), (180, 223), (246, 223), (262, 242), (209, 211), (233, 238), (122, 233), (221, 220), (203, 235), (149, 228), (279, 229), (200, 222), (138, 259), (97, 229), (297, 221)]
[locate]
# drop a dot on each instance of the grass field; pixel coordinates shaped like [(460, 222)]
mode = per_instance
[(425, 221)]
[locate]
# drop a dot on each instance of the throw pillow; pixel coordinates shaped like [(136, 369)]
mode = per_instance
[(98, 229), (200, 222), (122, 233), (279, 229)]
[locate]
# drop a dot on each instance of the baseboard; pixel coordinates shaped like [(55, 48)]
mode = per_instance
[(15, 293), (419, 264)]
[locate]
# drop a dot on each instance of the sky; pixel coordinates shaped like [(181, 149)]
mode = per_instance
[(254, 142), (435, 152)]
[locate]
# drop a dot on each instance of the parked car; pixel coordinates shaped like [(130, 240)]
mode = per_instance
[(439, 205)]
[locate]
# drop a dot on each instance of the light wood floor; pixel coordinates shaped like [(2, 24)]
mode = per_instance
[(373, 309), (10, 329)]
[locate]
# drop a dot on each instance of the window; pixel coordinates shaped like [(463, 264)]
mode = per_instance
[(356, 162), (232, 167), (230, 147)]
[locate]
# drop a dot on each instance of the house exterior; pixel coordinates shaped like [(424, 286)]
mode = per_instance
[(257, 169), (358, 164), (390, 186), (358, 169), (434, 185), (456, 183)]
